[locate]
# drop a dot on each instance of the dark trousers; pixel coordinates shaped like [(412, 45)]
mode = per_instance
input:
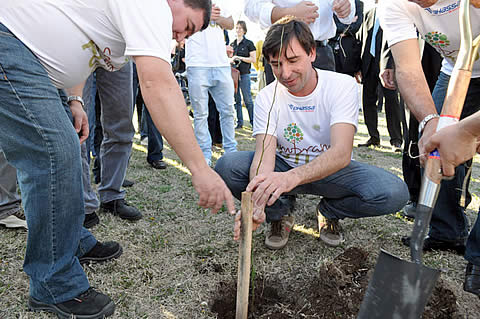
[(393, 111), (214, 121)]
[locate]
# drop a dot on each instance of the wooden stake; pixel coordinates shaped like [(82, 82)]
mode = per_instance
[(244, 257)]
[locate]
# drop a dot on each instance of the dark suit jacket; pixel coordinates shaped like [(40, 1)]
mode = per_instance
[(383, 57)]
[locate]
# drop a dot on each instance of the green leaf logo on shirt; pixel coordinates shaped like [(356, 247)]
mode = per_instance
[(441, 43), (293, 133), (437, 39)]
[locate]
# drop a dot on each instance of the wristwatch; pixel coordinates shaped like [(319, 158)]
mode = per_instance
[(425, 120), (76, 98)]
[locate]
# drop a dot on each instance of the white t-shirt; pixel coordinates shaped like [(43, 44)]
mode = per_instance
[(73, 37), (302, 124), (207, 48), (438, 25), (323, 28)]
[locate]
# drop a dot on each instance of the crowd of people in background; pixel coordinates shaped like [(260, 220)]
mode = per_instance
[(310, 66)]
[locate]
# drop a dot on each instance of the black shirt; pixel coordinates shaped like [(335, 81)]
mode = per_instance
[(243, 49)]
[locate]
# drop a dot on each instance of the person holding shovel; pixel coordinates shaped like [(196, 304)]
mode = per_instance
[(47, 46), (304, 126), (438, 23)]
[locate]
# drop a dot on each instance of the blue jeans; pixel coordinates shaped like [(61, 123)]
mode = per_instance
[(358, 190), (116, 96), (217, 81), (244, 86), (448, 220), (39, 140)]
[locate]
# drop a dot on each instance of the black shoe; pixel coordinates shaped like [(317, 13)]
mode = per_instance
[(91, 220), (370, 142), (122, 209), (88, 305), (239, 127), (410, 210), (472, 279), (457, 245), (397, 147), (158, 164), (102, 252), (128, 183)]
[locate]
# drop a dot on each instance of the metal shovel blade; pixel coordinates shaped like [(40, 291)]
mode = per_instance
[(399, 289)]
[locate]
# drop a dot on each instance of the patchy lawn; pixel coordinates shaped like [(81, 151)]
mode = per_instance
[(180, 258)]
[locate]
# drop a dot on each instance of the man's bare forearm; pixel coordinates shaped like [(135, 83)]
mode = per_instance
[(265, 155), (411, 79), (225, 23), (338, 156)]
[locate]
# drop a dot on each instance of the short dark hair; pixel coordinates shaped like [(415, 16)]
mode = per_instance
[(290, 28), (243, 25), (205, 5)]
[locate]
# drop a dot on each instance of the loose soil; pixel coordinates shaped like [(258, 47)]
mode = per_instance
[(335, 292)]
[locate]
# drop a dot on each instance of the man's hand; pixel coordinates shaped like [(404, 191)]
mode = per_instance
[(387, 79), (305, 11), (257, 219), (268, 187), (212, 190), (215, 13), (229, 50), (80, 120), (455, 145), (341, 8), (358, 77)]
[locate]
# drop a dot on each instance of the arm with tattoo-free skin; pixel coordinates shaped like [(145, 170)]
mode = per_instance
[(413, 86), (224, 22), (166, 105), (80, 119)]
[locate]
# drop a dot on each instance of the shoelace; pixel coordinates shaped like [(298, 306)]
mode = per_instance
[(333, 226), (84, 295), (277, 228)]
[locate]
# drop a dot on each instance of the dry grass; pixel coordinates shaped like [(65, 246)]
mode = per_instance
[(177, 254)]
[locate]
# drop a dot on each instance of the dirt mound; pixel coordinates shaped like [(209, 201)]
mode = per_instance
[(336, 291)]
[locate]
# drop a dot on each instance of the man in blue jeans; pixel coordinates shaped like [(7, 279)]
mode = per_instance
[(304, 128), (208, 71), (437, 22), (38, 139)]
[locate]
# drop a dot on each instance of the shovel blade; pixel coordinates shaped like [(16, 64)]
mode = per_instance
[(398, 289)]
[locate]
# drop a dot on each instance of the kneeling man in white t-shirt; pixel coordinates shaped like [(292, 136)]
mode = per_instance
[(304, 126)]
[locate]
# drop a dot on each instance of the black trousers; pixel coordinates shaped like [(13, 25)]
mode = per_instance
[(393, 110)]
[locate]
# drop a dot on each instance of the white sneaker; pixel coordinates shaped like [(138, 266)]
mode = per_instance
[(13, 221), (144, 141)]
